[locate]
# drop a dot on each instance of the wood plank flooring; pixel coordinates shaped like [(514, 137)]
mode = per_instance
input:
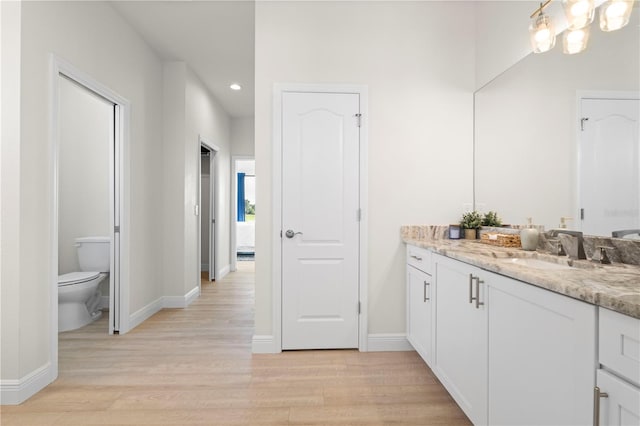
[(194, 366)]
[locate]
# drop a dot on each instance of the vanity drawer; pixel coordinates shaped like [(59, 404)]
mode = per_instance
[(620, 344), (419, 258)]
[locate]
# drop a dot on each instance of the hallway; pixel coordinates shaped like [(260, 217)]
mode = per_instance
[(194, 366)]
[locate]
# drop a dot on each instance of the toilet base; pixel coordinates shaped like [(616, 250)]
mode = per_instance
[(72, 316)]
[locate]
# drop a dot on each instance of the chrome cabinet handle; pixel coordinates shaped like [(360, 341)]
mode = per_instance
[(471, 298), (290, 233), (478, 302), (425, 291), (596, 404), (419, 259)]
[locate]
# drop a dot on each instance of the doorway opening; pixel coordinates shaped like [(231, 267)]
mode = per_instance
[(88, 193), (243, 232), (207, 237)]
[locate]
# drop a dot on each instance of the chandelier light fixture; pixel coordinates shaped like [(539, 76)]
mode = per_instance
[(614, 14), (541, 30)]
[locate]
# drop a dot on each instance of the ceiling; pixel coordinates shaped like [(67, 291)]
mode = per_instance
[(215, 39)]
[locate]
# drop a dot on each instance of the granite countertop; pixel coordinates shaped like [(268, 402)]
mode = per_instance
[(615, 286)]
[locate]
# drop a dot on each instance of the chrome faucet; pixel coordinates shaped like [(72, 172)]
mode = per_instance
[(577, 234)]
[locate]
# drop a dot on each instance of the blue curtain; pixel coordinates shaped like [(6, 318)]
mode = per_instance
[(240, 197)]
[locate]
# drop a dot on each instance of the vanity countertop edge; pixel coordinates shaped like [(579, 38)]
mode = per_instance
[(615, 287)]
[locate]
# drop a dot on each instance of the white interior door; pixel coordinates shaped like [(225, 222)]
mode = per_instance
[(609, 161), (320, 214)]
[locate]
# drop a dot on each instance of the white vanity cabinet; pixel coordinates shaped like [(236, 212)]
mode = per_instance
[(542, 352), (420, 301), (511, 353), (617, 395), (461, 335)]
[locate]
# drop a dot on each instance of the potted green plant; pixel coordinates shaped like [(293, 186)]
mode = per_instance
[(471, 221), (491, 219)]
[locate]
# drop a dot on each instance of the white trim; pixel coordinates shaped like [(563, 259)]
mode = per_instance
[(146, 312), (204, 267), (14, 392), (222, 272), (385, 342), (264, 344), (234, 208), (591, 94), (276, 285), (57, 67), (173, 302)]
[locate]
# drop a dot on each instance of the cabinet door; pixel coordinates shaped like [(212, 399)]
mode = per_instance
[(461, 337), (419, 303), (622, 406), (541, 356)]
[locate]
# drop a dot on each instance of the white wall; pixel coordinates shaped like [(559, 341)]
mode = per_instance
[(83, 170), (502, 36), (243, 136), (10, 271), (92, 37), (205, 117), (419, 69), (192, 112)]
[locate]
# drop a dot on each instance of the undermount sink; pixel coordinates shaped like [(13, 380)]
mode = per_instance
[(535, 263)]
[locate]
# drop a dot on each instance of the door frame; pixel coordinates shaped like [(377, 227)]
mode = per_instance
[(580, 96), (276, 290), (213, 204), (119, 192), (234, 207)]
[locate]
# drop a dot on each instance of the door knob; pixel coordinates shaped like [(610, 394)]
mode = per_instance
[(290, 233)]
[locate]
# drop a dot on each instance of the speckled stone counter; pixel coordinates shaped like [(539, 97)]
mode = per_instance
[(615, 287)]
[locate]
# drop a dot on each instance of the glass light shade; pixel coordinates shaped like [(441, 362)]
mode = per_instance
[(542, 34), (579, 13), (614, 14), (575, 41)]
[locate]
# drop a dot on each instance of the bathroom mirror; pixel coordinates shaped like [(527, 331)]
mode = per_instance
[(527, 129)]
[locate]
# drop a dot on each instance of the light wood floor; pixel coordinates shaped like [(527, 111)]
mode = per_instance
[(194, 366)]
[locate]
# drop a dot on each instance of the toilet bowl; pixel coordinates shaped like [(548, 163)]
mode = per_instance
[(78, 299), (78, 293)]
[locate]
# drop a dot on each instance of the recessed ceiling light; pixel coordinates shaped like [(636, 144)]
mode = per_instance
[(235, 86)]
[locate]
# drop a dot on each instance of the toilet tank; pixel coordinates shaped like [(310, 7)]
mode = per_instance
[(93, 253)]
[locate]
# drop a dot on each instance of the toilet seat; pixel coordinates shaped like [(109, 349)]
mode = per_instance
[(76, 277)]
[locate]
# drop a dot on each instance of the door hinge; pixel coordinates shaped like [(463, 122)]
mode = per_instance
[(116, 229), (359, 120), (359, 310), (359, 215), (582, 120), (281, 233), (582, 214)]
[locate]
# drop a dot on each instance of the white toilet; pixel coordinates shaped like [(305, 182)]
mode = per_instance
[(78, 293)]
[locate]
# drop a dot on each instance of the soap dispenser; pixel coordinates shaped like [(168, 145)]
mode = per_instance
[(529, 236)]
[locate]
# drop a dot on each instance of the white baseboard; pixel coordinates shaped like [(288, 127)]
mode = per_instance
[(264, 344), (191, 296), (14, 392), (223, 272), (204, 267), (145, 313), (181, 301), (383, 342)]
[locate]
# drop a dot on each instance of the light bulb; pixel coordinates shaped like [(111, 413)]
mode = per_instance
[(615, 14), (575, 41), (542, 34), (579, 13)]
